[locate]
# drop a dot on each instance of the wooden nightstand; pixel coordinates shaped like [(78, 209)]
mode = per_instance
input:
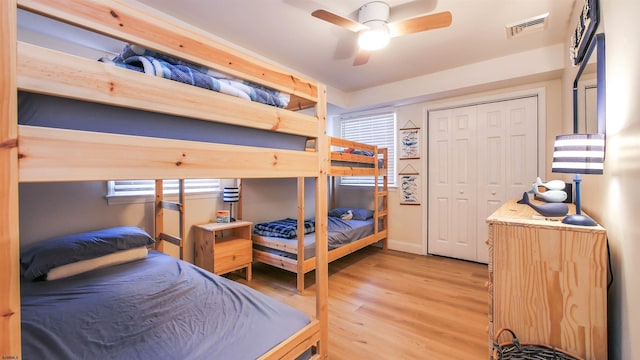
[(224, 247)]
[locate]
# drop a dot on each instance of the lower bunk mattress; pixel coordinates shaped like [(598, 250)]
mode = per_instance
[(339, 232), (153, 308)]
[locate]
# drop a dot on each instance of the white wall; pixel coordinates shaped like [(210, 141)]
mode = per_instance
[(613, 199), (526, 67), (271, 199)]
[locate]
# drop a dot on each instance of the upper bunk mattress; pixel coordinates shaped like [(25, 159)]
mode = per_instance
[(154, 308)]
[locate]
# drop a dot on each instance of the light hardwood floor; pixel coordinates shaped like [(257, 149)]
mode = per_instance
[(394, 305)]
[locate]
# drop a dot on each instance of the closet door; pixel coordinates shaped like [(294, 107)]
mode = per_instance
[(479, 156), (507, 148), (452, 183)]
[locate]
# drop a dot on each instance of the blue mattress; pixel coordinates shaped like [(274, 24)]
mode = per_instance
[(63, 113), (155, 308)]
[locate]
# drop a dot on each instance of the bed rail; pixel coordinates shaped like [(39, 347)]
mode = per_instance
[(51, 72), (48, 154), (350, 157)]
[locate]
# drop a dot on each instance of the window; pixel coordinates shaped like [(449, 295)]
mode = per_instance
[(147, 188), (378, 129)]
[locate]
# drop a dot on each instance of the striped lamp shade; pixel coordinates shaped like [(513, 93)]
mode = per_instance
[(231, 194), (579, 154)]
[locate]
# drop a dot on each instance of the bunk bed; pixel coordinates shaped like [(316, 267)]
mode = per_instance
[(41, 152), (294, 251)]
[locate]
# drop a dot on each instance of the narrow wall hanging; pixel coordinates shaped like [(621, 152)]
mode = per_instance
[(410, 141), (409, 186)]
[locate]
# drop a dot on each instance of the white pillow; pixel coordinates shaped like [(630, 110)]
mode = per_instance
[(118, 257)]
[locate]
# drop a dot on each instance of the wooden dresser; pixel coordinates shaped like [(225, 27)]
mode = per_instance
[(548, 281)]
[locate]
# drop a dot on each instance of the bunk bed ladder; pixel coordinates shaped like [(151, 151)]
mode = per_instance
[(161, 205), (381, 195)]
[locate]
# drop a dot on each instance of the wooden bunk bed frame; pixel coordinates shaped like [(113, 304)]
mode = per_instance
[(342, 164), (35, 154)]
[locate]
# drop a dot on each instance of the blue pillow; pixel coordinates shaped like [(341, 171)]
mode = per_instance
[(358, 214), (36, 260)]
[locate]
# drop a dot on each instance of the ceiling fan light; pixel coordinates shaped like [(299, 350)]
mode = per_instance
[(374, 38)]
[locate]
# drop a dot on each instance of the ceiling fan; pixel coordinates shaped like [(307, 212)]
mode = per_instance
[(374, 29)]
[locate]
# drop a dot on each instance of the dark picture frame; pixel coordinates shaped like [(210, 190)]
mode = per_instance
[(585, 30), (598, 44)]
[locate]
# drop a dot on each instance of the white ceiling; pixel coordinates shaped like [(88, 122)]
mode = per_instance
[(284, 31)]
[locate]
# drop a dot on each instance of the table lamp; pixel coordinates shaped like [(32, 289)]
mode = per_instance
[(579, 154), (231, 194)]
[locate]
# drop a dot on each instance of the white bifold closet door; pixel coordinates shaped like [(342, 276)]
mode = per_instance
[(479, 156)]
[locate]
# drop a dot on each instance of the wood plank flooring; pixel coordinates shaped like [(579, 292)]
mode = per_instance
[(394, 305)]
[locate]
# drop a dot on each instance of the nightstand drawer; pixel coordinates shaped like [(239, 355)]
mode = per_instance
[(232, 254)]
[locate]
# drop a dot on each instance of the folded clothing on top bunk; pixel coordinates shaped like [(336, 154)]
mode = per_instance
[(137, 58), (357, 152)]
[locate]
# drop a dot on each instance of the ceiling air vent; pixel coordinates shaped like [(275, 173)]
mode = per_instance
[(527, 26)]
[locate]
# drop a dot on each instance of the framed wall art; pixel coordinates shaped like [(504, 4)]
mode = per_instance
[(409, 186), (410, 189), (410, 142)]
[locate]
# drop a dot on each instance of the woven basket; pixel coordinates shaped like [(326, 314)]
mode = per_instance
[(514, 350)]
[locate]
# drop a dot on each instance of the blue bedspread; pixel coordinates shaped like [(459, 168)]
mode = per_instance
[(285, 228), (154, 308), (137, 58), (339, 232)]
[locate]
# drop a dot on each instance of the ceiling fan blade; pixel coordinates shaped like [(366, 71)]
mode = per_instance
[(420, 23), (362, 57), (338, 20)]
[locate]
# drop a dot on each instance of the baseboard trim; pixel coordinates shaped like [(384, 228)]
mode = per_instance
[(406, 247)]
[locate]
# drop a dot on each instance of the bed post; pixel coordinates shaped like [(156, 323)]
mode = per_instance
[(9, 222), (300, 262), (322, 263), (382, 210), (333, 202)]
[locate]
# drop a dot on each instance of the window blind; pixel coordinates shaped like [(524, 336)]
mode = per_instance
[(147, 187), (376, 129)]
